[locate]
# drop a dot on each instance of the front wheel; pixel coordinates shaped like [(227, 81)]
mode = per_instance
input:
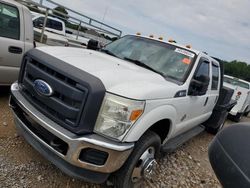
[(141, 163)]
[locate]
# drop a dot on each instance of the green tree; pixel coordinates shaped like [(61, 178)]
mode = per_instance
[(237, 69), (61, 12)]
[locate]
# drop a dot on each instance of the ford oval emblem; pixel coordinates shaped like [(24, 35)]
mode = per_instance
[(43, 88)]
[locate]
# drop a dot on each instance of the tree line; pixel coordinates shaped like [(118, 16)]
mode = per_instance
[(237, 69)]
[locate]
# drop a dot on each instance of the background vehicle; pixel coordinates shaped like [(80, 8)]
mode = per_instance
[(56, 32), (110, 112), (241, 94), (229, 154), (16, 38)]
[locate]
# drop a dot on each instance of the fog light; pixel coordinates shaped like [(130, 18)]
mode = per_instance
[(93, 156)]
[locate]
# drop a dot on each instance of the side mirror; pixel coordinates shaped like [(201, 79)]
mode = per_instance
[(93, 45), (229, 155), (199, 86)]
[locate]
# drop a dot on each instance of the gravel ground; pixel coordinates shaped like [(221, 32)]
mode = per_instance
[(22, 166)]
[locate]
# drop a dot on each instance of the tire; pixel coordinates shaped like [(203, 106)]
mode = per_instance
[(123, 177), (238, 117)]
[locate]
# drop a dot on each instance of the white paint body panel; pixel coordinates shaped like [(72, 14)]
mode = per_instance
[(131, 81), (10, 62)]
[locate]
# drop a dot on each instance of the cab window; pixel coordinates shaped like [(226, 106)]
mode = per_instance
[(9, 22), (215, 76), (52, 24), (38, 22), (202, 70)]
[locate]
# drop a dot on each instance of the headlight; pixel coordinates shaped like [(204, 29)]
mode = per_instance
[(117, 114)]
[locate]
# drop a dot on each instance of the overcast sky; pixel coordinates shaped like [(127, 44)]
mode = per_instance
[(219, 27)]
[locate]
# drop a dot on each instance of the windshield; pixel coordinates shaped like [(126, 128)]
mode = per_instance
[(168, 60), (236, 82)]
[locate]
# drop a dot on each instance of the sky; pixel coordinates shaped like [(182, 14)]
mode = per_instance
[(219, 27)]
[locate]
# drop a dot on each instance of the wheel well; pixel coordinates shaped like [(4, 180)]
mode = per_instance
[(159, 126)]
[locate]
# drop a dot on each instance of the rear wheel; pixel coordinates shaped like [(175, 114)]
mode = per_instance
[(141, 163)]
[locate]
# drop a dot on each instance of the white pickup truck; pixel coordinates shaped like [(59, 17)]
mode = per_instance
[(108, 113), (241, 94), (55, 32), (16, 38)]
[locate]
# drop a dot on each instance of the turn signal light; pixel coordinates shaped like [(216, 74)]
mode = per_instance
[(135, 115)]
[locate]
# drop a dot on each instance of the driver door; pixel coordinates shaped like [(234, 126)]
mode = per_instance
[(199, 104)]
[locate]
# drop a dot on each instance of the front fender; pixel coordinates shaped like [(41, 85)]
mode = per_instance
[(149, 118)]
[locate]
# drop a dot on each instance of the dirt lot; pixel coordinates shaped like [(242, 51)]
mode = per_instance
[(22, 166)]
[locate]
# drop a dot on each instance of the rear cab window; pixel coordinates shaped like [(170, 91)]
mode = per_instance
[(9, 22), (215, 76), (52, 24)]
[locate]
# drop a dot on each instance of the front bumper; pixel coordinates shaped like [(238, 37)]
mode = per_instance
[(67, 161)]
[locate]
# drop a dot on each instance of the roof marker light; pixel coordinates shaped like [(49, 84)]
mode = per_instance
[(160, 38), (188, 46), (151, 36), (138, 33), (172, 41)]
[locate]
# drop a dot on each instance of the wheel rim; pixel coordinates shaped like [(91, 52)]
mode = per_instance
[(145, 166)]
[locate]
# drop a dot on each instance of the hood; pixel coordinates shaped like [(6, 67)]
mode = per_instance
[(118, 76)]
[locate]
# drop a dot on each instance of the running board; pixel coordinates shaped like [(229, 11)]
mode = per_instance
[(174, 143)]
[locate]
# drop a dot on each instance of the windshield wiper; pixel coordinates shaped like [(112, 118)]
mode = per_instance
[(139, 63), (108, 52)]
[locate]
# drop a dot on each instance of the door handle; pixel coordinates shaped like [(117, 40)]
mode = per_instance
[(206, 101), (15, 50)]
